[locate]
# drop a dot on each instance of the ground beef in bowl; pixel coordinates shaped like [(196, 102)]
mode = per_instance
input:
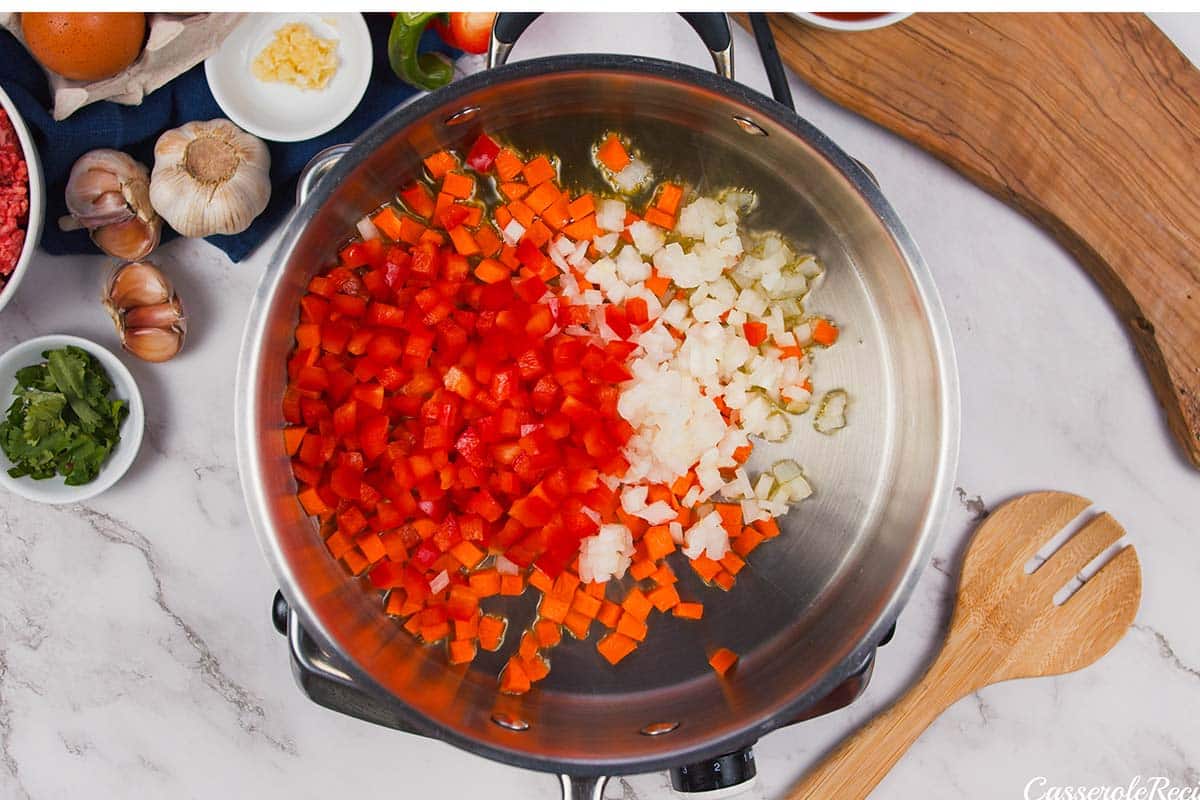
[(14, 198)]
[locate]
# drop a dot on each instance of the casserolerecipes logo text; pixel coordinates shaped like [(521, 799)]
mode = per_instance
[(1139, 788)]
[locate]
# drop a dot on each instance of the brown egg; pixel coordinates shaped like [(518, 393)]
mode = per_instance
[(84, 47)]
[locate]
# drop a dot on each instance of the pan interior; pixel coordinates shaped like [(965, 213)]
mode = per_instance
[(809, 599)]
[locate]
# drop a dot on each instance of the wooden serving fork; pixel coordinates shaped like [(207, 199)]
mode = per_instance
[(1005, 625)]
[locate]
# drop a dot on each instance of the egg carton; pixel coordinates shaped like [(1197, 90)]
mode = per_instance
[(176, 43)]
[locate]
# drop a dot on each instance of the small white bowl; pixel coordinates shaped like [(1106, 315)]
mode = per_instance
[(37, 194), (882, 20), (55, 490), (278, 111)]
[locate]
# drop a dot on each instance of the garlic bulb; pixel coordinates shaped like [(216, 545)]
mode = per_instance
[(109, 194), (147, 312), (210, 177)]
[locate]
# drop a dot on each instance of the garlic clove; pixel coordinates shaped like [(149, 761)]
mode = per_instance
[(210, 177), (137, 284), (103, 187), (129, 240), (153, 344), (163, 315)]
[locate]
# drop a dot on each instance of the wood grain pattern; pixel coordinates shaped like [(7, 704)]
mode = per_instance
[(1005, 625), (1088, 123)]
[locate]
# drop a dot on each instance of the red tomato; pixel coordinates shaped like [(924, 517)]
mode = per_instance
[(467, 30)]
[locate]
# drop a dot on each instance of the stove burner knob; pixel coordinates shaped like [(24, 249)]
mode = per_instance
[(718, 774), (279, 613)]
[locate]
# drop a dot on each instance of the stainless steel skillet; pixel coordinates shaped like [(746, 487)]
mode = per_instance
[(813, 605)]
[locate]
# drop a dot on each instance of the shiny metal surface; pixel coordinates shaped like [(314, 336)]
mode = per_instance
[(814, 602)]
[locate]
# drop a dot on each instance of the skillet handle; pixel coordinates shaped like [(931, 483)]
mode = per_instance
[(576, 788), (712, 27)]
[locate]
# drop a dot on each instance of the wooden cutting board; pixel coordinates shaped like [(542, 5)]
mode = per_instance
[(1088, 123)]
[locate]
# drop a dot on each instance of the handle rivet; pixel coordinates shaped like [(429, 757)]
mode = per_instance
[(658, 728), (749, 126), (509, 721), (462, 115)]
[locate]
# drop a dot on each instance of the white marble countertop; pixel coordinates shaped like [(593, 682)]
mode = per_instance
[(137, 657)]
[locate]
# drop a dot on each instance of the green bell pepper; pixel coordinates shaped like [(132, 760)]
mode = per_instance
[(427, 71)]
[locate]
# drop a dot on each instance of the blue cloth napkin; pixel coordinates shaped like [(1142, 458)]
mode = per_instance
[(134, 129)]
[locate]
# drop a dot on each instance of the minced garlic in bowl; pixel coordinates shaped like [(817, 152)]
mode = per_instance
[(298, 57)]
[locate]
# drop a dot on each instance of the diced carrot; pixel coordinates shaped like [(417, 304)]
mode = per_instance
[(492, 271), (462, 651), (664, 575), (436, 632), (413, 625), (705, 567), (511, 585), (491, 632), (664, 597), (689, 610), (419, 199), (681, 485), (371, 546), (542, 197), (508, 164), (474, 215), (488, 240), (521, 213), (565, 585), (615, 646), (467, 554), (722, 660), (657, 284), (612, 153), (631, 626), (769, 528), (485, 582), (724, 580), (554, 608), (440, 163), (514, 679), (640, 570), (339, 544), (458, 185), (740, 454), (558, 213), (583, 229), (657, 492), (636, 603), (669, 195), (539, 234), (731, 517), (388, 223), (312, 502), (746, 541), (548, 632), (433, 237), (292, 438), (823, 332), (581, 206), (791, 351), (536, 668), (396, 600), (732, 562), (659, 218), (411, 231), (585, 604), (659, 543), (540, 581), (467, 628), (502, 216), (514, 190), (539, 170), (637, 526), (529, 645), (463, 241), (578, 624), (596, 589), (610, 612)]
